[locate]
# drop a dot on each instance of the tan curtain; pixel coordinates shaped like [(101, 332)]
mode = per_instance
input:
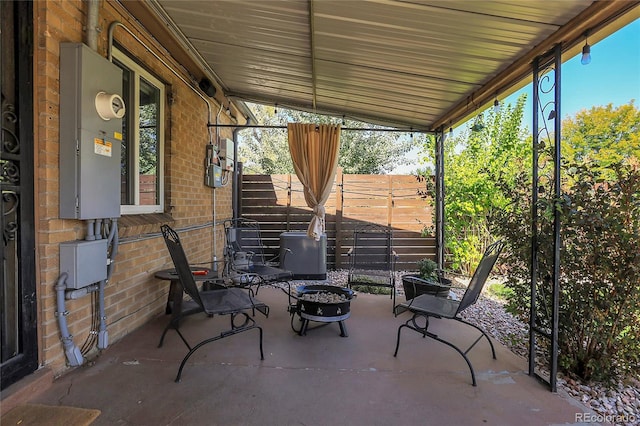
[(314, 150)]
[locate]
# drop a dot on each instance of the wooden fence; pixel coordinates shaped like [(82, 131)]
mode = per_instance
[(277, 203)]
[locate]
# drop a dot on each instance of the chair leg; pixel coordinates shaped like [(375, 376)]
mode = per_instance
[(425, 333), (261, 351), (213, 339), (393, 296), (473, 374), (493, 351), (395, 353)]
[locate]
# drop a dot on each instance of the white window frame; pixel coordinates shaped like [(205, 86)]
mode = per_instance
[(137, 73)]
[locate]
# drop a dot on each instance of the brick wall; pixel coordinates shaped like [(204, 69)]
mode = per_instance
[(133, 296)]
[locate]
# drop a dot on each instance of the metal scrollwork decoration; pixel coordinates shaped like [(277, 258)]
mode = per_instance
[(545, 184), (10, 142), (9, 172)]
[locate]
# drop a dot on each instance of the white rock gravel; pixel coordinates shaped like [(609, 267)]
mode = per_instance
[(619, 404)]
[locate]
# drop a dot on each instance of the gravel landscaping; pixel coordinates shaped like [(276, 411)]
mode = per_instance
[(619, 404)]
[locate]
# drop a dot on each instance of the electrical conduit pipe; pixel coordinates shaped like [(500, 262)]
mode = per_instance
[(71, 351), (103, 334)]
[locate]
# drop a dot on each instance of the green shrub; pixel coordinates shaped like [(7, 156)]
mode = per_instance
[(500, 291), (372, 289), (427, 269), (599, 317)]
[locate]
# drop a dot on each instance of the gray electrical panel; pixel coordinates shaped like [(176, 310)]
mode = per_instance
[(91, 110), (84, 261)]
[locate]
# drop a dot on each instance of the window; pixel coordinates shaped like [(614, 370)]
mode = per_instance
[(142, 164)]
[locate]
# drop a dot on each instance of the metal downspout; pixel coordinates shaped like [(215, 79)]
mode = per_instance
[(93, 8)]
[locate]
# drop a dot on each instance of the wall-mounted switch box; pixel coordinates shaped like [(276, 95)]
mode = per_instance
[(85, 262)]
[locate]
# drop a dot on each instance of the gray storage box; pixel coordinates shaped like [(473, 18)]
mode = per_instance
[(308, 257)]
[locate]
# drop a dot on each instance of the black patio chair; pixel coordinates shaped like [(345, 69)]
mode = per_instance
[(219, 301), (245, 261), (372, 259), (428, 306)]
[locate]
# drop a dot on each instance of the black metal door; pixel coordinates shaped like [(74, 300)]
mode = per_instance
[(19, 355)]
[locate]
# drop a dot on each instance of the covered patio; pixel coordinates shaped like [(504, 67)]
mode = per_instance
[(317, 379), (419, 65)]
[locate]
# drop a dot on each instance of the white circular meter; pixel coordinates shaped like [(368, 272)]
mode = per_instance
[(109, 105)]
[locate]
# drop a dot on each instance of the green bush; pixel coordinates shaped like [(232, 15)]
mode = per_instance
[(427, 268), (372, 289), (599, 317), (499, 291)]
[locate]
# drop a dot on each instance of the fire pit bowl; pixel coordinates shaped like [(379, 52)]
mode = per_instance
[(323, 303)]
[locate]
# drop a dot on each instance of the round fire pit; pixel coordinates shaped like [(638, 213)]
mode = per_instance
[(323, 303)]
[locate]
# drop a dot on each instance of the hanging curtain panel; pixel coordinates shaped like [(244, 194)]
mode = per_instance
[(314, 150)]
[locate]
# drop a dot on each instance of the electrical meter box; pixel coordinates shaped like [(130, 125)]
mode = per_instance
[(227, 158), (91, 111), (85, 262)]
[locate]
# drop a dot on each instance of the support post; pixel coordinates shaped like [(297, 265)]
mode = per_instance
[(339, 182), (440, 193), (546, 189)]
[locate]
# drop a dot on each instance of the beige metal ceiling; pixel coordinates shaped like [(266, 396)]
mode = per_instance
[(415, 63)]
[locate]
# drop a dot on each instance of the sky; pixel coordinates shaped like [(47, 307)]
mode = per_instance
[(613, 76)]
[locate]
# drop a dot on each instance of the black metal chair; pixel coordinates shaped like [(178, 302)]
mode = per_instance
[(245, 260), (372, 259), (428, 306), (219, 301)]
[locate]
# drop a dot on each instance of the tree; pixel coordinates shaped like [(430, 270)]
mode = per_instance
[(148, 139), (474, 162), (602, 137), (265, 151), (361, 152)]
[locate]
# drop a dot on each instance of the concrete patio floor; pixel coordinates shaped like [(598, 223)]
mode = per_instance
[(317, 379)]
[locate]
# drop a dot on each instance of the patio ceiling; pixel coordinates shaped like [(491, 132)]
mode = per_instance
[(416, 63)]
